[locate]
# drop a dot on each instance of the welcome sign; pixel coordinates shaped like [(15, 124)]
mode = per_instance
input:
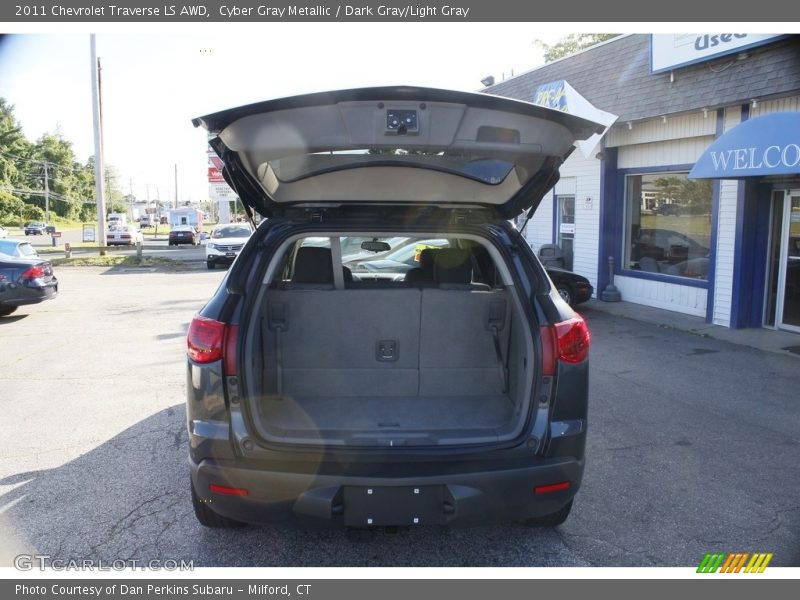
[(766, 145), (670, 51)]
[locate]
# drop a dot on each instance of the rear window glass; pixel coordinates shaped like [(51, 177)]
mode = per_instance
[(231, 231), (392, 261)]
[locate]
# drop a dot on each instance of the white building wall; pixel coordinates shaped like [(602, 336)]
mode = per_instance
[(791, 104), (586, 172), (726, 236), (679, 298), (540, 228), (656, 130), (580, 177), (659, 154)]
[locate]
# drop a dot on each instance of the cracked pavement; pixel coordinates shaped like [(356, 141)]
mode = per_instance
[(693, 447)]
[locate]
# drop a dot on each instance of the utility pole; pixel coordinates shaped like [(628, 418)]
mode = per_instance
[(97, 118), (130, 197), (46, 193), (176, 185)]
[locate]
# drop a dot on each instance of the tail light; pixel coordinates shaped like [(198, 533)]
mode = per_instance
[(33, 272), (567, 341), (209, 341)]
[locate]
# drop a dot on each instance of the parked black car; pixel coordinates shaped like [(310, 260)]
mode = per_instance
[(25, 281), (317, 394), (183, 234), (572, 287)]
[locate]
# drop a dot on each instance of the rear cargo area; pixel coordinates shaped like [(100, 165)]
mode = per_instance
[(399, 365)]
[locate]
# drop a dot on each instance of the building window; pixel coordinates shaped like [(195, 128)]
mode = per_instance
[(668, 224)]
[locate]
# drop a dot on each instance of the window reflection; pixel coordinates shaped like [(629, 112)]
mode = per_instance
[(668, 224)]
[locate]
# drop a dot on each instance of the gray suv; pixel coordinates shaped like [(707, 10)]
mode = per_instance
[(327, 393)]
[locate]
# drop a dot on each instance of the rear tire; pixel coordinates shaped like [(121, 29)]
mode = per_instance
[(208, 518), (551, 520)]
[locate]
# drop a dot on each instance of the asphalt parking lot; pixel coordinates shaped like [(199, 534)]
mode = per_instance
[(693, 447)]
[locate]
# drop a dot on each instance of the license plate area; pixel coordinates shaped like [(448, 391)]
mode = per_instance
[(230, 254), (393, 505)]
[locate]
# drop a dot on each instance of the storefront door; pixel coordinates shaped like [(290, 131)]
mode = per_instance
[(566, 228), (783, 293)]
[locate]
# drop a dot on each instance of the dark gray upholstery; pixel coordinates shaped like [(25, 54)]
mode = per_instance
[(445, 372), (452, 265), (423, 274), (457, 352), (329, 346), (313, 265)]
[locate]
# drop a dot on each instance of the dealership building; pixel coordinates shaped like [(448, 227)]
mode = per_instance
[(694, 191)]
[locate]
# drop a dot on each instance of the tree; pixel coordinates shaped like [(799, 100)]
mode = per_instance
[(14, 148), (574, 42), (694, 195), (13, 145), (55, 160)]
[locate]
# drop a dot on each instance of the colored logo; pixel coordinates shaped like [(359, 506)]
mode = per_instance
[(735, 562)]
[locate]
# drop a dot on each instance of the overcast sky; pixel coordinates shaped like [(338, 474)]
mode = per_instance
[(156, 80)]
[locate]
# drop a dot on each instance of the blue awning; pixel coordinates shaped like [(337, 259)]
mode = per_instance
[(766, 145)]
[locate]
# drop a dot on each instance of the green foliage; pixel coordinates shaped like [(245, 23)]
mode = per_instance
[(574, 42), (692, 194), (25, 165)]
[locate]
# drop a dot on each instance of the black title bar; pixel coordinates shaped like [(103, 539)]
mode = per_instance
[(249, 11)]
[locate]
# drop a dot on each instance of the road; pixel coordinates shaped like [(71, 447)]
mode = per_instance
[(154, 245), (693, 447)]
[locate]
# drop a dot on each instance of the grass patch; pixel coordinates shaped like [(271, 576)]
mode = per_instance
[(116, 261)]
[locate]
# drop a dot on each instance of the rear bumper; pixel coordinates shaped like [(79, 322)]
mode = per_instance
[(220, 258), (23, 295), (337, 500)]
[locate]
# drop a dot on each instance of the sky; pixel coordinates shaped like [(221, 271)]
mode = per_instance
[(155, 82), (155, 79)]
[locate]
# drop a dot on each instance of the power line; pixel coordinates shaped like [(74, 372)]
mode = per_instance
[(46, 162), (55, 195)]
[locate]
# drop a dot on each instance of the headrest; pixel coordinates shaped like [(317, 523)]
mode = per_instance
[(313, 265), (452, 265), (426, 259)]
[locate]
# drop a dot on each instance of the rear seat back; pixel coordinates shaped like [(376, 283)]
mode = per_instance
[(361, 342), (457, 348)]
